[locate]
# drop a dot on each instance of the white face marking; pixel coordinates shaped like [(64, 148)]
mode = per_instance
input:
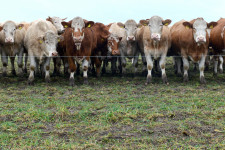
[(9, 29), (199, 28)]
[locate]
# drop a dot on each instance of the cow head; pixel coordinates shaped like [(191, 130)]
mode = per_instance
[(56, 21), (78, 25), (9, 28), (199, 29), (48, 43), (113, 44), (130, 27), (155, 25)]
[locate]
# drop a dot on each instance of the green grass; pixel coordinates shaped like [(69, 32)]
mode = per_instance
[(113, 113)]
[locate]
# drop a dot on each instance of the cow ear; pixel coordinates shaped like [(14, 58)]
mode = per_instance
[(120, 38), (121, 25), (109, 25), (64, 18), (144, 22), (139, 25), (49, 19), (211, 25), (66, 24), (89, 24), (20, 26), (60, 38), (1, 27), (166, 22), (188, 25)]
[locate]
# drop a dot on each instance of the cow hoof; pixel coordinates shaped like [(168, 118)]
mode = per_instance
[(21, 74), (47, 80), (25, 71), (14, 72), (202, 80), (179, 74), (30, 82), (149, 80), (71, 82), (4, 74), (185, 78), (221, 71), (85, 81), (164, 78)]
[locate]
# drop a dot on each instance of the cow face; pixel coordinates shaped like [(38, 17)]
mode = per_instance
[(155, 25), (56, 21), (131, 28), (199, 29), (48, 43), (9, 28), (78, 26), (113, 44)]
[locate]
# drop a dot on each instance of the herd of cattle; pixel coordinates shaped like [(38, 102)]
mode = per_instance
[(89, 44)]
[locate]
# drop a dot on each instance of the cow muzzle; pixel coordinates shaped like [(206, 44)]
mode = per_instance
[(54, 54), (131, 38), (155, 36), (115, 52), (78, 45), (9, 40), (201, 39)]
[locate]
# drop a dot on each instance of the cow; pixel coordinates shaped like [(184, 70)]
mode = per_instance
[(217, 41), (191, 41), (79, 43), (128, 44), (57, 22), (41, 40), (12, 41), (154, 40), (100, 50)]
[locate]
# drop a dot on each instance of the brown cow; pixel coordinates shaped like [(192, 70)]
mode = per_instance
[(79, 42), (217, 41), (190, 40)]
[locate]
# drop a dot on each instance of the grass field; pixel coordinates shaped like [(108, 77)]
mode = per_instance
[(113, 113)]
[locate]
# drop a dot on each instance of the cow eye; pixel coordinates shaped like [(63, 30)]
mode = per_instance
[(55, 22)]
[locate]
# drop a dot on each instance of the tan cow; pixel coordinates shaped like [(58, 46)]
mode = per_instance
[(154, 40), (217, 41), (11, 39), (191, 41), (41, 40)]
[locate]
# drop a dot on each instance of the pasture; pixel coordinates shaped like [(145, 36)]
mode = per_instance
[(113, 112)]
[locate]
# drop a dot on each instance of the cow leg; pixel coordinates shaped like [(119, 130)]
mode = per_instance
[(207, 62), (57, 64), (20, 62), (221, 64), (113, 65), (12, 59), (5, 63), (25, 63), (124, 62), (201, 68), (98, 64), (73, 68), (195, 67), (85, 70), (144, 70), (215, 58), (149, 67), (104, 66), (162, 64), (178, 66), (135, 64), (46, 69), (186, 67), (33, 67)]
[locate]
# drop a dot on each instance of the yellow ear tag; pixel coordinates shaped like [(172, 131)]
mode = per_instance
[(121, 26), (20, 28), (58, 40), (89, 25), (103, 40), (187, 27), (166, 24), (145, 24), (40, 41), (66, 26), (211, 27)]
